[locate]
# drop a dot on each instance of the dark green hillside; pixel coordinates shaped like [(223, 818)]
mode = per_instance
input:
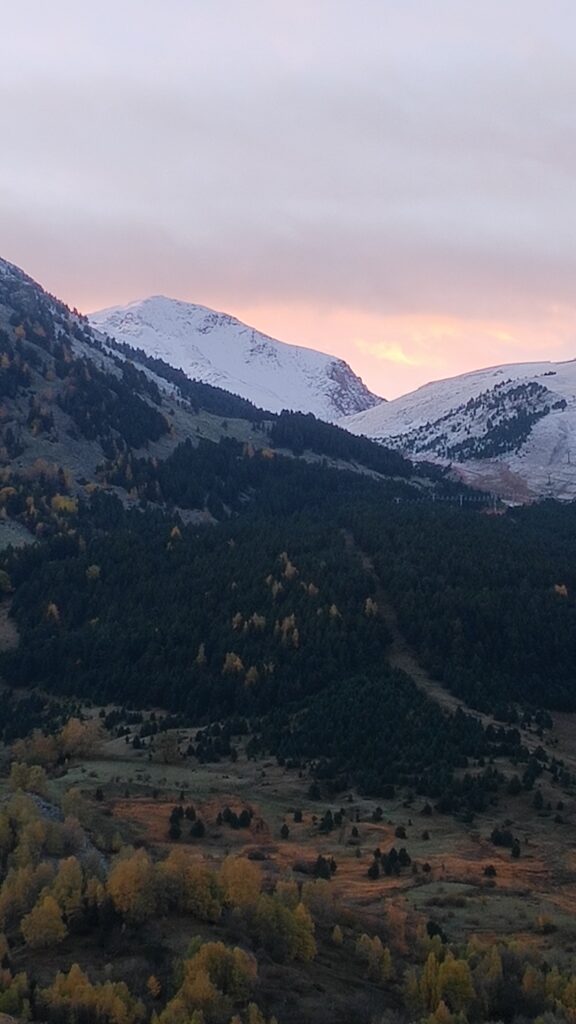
[(488, 602), (232, 577), (77, 400), (134, 608), (382, 732), (41, 344), (271, 616)]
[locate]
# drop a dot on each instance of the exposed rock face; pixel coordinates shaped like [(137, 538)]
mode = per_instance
[(220, 350)]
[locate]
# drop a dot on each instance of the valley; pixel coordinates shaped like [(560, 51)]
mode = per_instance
[(457, 884), (287, 513)]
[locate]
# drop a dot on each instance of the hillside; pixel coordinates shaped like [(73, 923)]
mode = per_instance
[(69, 401), (508, 428), (92, 429), (79, 405), (281, 711), (263, 609), (218, 349)]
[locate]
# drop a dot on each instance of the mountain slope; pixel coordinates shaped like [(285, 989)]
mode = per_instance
[(508, 428), (269, 609), (218, 349), (67, 400), (80, 412)]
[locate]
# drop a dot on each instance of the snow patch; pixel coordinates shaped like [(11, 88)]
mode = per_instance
[(219, 349), (503, 427)]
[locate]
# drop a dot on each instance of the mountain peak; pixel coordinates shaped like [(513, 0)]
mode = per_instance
[(505, 428), (219, 349)]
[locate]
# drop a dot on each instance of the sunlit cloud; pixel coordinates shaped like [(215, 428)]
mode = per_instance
[(397, 354), (388, 352), (504, 336)]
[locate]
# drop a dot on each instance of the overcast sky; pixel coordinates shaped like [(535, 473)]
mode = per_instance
[(390, 180)]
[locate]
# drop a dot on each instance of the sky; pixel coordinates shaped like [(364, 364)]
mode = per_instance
[(392, 181)]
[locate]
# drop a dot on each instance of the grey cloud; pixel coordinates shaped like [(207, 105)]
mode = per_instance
[(399, 158)]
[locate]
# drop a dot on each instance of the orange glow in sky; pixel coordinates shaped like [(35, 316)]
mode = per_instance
[(396, 354), (389, 182)]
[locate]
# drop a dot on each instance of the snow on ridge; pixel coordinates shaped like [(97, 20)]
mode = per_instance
[(432, 400), (507, 428), (219, 349)]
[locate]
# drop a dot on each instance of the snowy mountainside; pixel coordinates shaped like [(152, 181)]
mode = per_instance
[(508, 428), (218, 349)]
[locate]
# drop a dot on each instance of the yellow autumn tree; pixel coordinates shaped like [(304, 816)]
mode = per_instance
[(190, 886), (37, 749), (95, 893), (154, 987), (429, 985), (37, 781), (77, 739), (304, 943), (200, 993), (67, 886), (441, 1015), (43, 926), (20, 892), (18, 776), (232, 664), (241, 880), (287, 933), (63, 503), (73, 996), (377, 958), (412, 991), (52, 612), (455, 985), (252, 676), (131, 887), (215, 978), (73, 804), (30, 777), (31, 842), (254, 1015)]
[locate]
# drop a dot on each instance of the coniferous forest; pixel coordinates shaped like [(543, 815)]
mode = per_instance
[(260, 677)]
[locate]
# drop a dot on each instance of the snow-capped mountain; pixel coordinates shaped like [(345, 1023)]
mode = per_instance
[(510, 429), (220, 350)]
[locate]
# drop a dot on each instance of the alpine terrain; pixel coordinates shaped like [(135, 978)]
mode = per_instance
[(287, 720), (218, 349), (509, 429)]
